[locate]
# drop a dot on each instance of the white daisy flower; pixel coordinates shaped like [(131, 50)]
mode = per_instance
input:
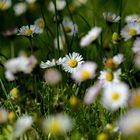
[(5, 4), (69, 27), (72, 62), (115, 96), (108, 77), (111, 17), (20, 8), (132, 18), (48, 64), (61, 42), (90, 37), (27, 30), (9, 75), (92, 92), (60, 61), (22, 124), (130, 30), (60, 5), (136, 45), (129, 124), (40, 25), (84, 72), (57, 125)]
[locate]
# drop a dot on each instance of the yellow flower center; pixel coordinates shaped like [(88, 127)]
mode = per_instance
[(109, 18), (11, 116), (135, 100), (41, 24), (14, 93), (102, 136), (115, 96), (67, 29), (132, 32), (3, 6), (85, 74), (54, 127), (138, 20), (28, 32), (109, 63), (115, 36), (109, 76), (73, 101), (72, 63)]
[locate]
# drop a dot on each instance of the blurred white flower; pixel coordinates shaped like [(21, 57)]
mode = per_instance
[(79, 2), (5, 4), (130, 30), (92, 92), (136, 45), (20, 8), (40, 25), (86, 71), (115, 96), (30, 1), (19, 64), (3, 115), (69, 27), (60, 5), (52, 76), (61, 42), (132, 18), (57, 125), (129, 124), (90, 37), (72, 62), (111, 17), (22, 124), (48, 64)]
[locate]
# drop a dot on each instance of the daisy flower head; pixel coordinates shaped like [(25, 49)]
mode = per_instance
[(108, 77), (132, 18), (22, 124), (130, 30), (40, 25), (136, 45), (90, 37), (20, 8), (48, 64), (111, 17), (57, 124), (129, 124), (27, 31), (114, 62), (61, 42), (60, 5), (5, 4), (69, 27), (115, 96), (72, 62), (86, 71)]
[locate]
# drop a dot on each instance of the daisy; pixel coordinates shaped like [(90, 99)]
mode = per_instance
[(132, 18), (111, 17), (5, 4), (48, 64), (20, 8), (129, 124), (108, 77), (69, 27), (115, 96), (72, 62), (40, 25), (130, 30), (22, 124), (90, 37), (61, 42), (57, 125), (27, 30), (84, 72), (136, 45)]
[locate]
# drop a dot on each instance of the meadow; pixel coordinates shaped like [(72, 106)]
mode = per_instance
[(69, 70)]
